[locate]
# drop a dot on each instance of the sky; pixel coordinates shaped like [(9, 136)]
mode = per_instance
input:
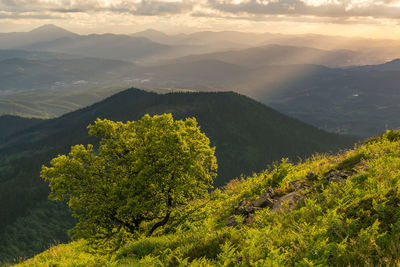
[(365, 18)]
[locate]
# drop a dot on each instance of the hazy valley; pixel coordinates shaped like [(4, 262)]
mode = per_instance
[(330, 89)]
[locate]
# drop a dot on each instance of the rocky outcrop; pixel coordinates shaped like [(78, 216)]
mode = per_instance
[(338, 175), (301, 184), (231, 221), (247, 207), (288, 201), (296, 192)]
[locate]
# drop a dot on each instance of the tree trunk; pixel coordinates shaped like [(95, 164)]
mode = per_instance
[(160, 223), (166, 218)]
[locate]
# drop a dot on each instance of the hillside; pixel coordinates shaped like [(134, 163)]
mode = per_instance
[(32, 55), (54, 103), (45, 33), (190, 73), (257, 57), (19, 74), (111, 46), (360, 101), (340, 210), (248, 136), (13, 124)]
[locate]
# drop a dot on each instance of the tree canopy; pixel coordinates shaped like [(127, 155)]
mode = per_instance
[(140, 172)]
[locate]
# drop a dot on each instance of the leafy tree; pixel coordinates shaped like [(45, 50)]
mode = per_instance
[(141, 171)]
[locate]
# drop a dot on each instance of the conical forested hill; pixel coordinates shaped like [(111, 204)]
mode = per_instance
[(247, 135)]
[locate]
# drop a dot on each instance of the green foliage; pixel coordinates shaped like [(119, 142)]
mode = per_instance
[(393, 135), (350, 162), (141, 172), (353, 222), (279, 172)]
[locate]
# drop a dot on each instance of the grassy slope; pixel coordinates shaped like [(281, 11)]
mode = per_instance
[(353, 222)]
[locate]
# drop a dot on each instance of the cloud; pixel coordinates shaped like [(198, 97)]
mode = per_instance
[(147, 7), (253, 9), (143, 7), (333, 8), (12, 15)]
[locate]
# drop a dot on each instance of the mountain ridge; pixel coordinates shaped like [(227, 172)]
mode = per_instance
[(51, 29)]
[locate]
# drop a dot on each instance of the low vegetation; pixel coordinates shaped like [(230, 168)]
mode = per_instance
[(348, 214)]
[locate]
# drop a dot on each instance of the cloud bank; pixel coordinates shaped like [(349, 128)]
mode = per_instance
[(377, 17), (252, 8)]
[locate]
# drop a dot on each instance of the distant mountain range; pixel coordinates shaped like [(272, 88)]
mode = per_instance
[(393, 65), (358, 101), (373, 51), (256, 57), (152, 46), (218, 40), (327, 87), (45, 33), (50, 38), (53, 39)]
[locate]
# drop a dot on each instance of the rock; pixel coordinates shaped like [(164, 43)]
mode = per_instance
[(249, 219), (290, 199), (241, 209), (263, 203), (239, 259), (338, 175), (311, 176), (265, 200), (269, 198), (231, 221), (245, 209), (299, 184), (268, 192)]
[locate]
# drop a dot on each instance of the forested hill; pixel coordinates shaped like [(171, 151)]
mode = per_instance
[(248, 136), (13, 124)]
